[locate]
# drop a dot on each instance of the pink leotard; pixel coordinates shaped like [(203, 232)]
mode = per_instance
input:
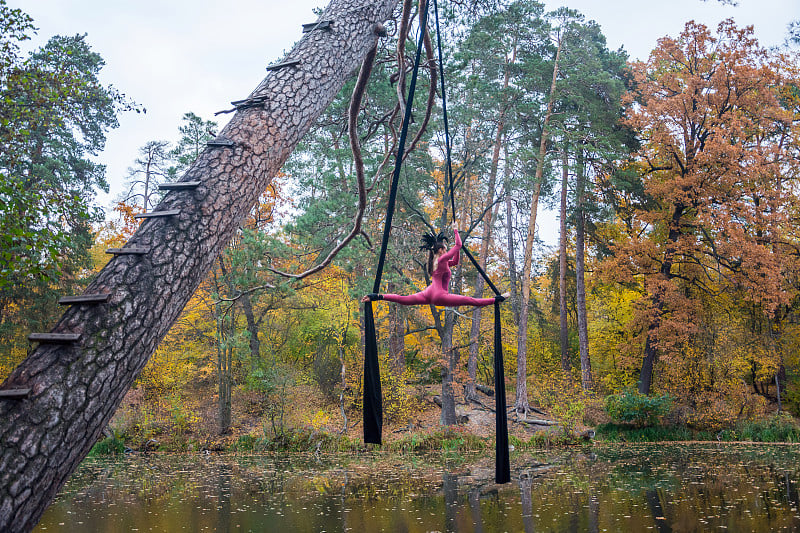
[(436, 293)]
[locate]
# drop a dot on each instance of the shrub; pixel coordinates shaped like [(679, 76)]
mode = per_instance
[(113, 445), (637, 409), (780, 427), (627, 433)]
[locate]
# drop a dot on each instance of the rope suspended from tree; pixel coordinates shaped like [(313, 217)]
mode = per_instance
[(373, 411)]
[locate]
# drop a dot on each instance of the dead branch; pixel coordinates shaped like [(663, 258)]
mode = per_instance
[(355, 145)]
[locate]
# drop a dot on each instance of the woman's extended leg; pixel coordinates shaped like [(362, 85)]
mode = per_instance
[(411, 299), (454, 300)]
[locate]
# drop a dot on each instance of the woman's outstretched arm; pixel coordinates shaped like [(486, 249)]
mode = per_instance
[(453, 254)]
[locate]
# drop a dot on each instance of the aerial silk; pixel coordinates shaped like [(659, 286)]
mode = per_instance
[(436, 292)]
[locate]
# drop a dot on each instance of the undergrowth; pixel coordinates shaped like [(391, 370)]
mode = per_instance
[(780, 427)]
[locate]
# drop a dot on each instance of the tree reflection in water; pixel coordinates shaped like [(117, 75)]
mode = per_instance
[(621, 488)]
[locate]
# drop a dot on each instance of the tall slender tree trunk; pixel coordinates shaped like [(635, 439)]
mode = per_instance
[(224, 373), (226, 342), (75, 388), (397, 335), (451, 356), (252, 328), (521, 402), (343, 376), (587, 381), (562, 267), (659, 303), (512, 254), (488, 222)]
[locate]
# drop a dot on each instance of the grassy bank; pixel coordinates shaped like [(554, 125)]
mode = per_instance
[(776, 428), (304, 441)]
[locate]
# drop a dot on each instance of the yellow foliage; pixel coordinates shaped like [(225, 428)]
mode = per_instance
[(319, 421)]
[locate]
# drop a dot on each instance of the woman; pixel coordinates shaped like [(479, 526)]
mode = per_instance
[(440, 259)]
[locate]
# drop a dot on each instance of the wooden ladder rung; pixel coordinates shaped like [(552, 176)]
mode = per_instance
[(54, 338), (84, 299), (158, 214), (179, 185), (15, 394), (290, 63), (131, 250), (221, 142), (321, 25)]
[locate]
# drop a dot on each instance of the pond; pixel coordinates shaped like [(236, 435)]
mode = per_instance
[(675, 487)]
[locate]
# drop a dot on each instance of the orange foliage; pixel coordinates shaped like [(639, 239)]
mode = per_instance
[(717, 146)]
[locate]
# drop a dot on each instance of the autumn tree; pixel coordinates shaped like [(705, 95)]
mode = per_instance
[(716, 167)]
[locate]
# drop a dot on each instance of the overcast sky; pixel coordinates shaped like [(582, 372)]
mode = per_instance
[(174, 56)]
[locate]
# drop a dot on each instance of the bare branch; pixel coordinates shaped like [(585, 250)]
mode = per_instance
[(355, 145)]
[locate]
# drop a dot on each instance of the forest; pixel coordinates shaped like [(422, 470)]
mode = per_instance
[(672, 298)]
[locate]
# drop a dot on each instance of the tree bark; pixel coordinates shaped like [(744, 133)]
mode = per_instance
[(488, 221), (450, 362), (512, 259), (587, 381), (397, 335), (562, 268), (76, 388), (486, 234), (658, 303), (226, 329), (252, 328), (521, 402)]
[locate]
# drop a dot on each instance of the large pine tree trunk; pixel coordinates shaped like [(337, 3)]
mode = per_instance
[(76, 388)]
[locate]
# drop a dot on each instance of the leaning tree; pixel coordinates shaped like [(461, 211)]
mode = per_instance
[(55, 404)]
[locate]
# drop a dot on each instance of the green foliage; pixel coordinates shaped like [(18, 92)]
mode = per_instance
[(54, 116), (569, 413), (194, 134), (273, 381), (637, 409), (112, 445), (448, 440), (182, 419), (307, 440), (245, 443), (628, 433), (780, 427)]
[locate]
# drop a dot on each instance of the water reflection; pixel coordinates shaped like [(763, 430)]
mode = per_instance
[(630, 488)]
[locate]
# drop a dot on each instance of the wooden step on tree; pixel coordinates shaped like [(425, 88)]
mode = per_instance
[(75, 388)]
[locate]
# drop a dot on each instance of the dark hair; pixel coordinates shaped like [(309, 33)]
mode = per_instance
[(432, 243)]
